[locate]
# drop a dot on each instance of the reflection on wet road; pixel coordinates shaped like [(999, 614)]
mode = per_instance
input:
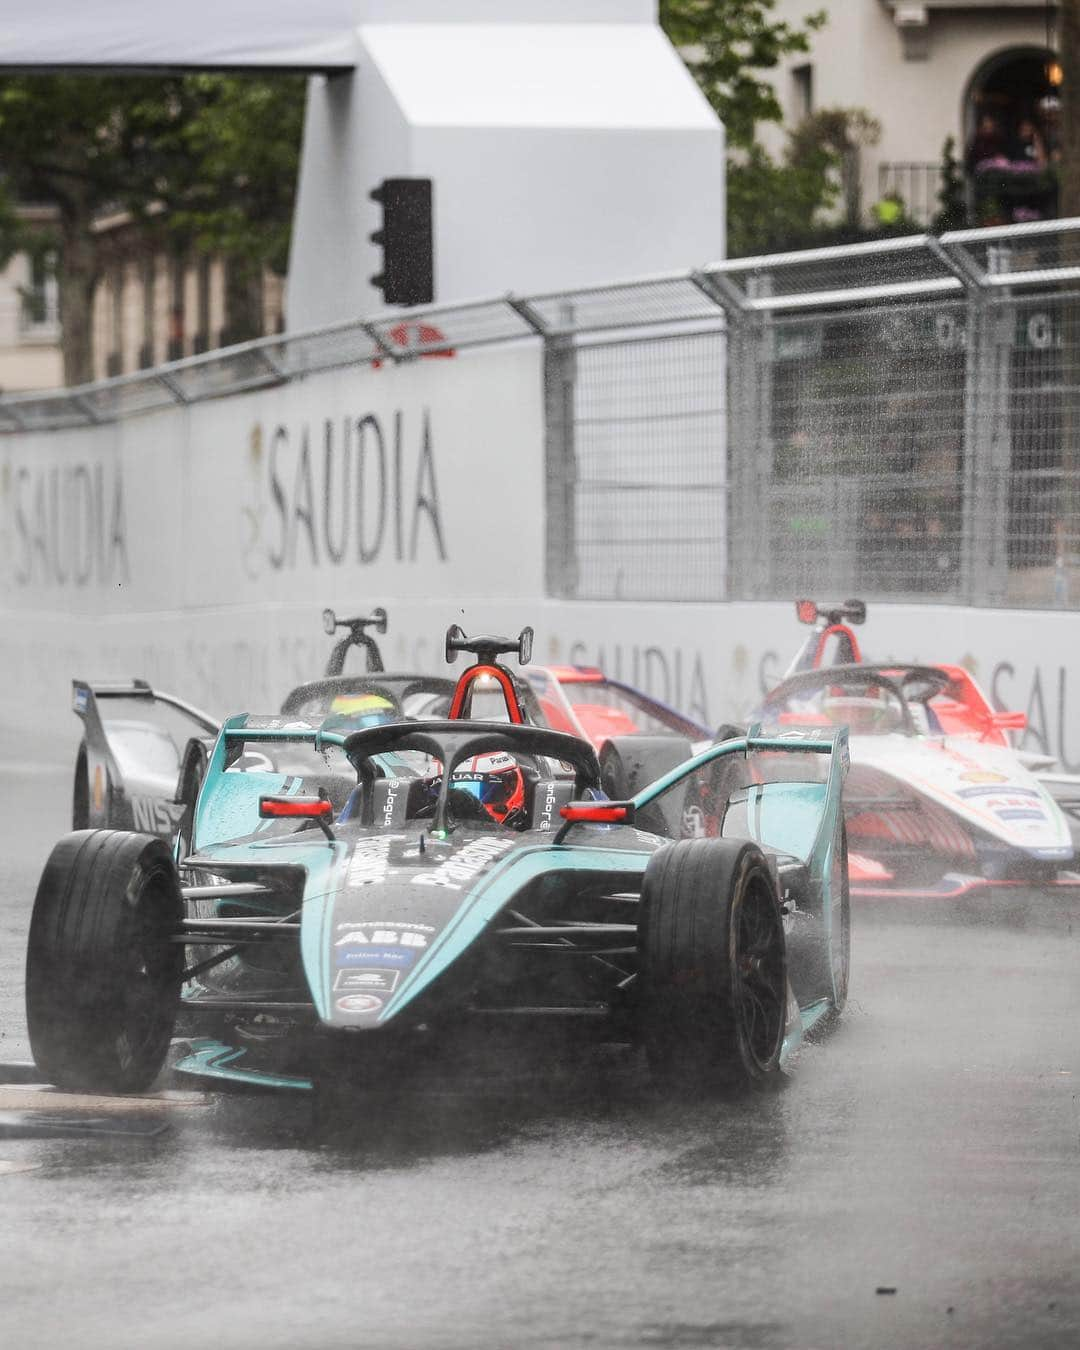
[(930, 1147)]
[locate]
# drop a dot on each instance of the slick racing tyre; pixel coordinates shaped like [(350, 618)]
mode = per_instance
[(102, 974), (629, 763), (192, 773), (713, 966), (80, 795)]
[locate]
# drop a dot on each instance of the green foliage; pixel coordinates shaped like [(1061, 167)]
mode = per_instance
[(952, 208), (837, 131), (724, 42), (728, 46), (203, 160), (14, 237), (218, 152), (75, 141), (230, 166), (774, 206)]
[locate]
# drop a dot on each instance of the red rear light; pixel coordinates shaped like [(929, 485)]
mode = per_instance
[(305, 808), (806, 610)]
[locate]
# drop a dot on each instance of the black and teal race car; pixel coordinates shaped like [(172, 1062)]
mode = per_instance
[(347, 905)]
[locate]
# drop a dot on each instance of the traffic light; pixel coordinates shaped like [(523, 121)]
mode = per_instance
[(406, 239)]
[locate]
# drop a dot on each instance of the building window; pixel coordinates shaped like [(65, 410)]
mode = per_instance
[(41, 296), (175, 347), (802, 84), (114, 361), (201, 342), (149, 291)]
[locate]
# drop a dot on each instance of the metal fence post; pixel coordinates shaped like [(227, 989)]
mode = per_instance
[(750, 372), (748, 358), (987, 447), (560, 374)]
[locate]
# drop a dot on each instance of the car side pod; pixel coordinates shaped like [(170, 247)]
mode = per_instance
[(595, 813)]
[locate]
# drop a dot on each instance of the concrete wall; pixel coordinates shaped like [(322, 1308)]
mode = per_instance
[(196, 546)]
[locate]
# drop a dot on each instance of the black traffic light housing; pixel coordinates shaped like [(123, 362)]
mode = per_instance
[(407, 241)]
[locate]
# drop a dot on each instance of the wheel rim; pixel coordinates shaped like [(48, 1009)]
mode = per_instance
[(759, 973)]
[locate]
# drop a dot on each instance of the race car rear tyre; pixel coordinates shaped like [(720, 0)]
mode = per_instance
[(102, 974), (629, 763), (192, 773), (80, 795), (713, 966)]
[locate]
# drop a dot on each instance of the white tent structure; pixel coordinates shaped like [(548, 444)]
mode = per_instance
[(566, 142)]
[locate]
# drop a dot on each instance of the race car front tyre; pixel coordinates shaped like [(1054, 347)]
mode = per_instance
[(713, 966), (102, 971)]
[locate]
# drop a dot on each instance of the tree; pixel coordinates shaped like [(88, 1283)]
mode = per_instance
[(952, 206), (838, 134), (773, 206), (724, 44), (230, 179), (728, 46), (206, 158)]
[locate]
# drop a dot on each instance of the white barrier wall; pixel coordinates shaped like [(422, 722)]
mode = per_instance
[(196, 546)]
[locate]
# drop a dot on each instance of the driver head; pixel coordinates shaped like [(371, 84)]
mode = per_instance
[(495, 780)]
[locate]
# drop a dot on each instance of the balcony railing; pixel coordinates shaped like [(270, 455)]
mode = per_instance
[(916, 184)]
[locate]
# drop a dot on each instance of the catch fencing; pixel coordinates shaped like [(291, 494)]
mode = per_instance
[(897, 420)]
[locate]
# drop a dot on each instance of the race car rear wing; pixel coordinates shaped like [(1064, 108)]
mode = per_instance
[(128, 764), (782, 808), (845, 611)]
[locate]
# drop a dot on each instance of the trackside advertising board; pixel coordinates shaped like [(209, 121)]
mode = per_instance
[(402, 480), (195, 547)]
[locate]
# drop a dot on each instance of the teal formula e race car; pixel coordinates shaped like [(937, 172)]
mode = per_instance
[(423, 886)]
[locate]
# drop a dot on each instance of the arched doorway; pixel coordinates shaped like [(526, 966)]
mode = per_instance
[(1012, 136)]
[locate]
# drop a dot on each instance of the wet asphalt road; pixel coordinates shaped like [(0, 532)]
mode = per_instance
[(930, 1146)]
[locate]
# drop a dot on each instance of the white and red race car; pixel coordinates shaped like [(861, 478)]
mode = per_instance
[(932, 812), (961, 709)]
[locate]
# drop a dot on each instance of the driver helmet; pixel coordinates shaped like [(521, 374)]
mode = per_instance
[(365, 710), (496, 781)]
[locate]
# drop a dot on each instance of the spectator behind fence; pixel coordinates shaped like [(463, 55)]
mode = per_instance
[(987, 145), (1027, 146)]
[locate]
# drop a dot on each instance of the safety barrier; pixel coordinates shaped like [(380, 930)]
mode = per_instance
[(899, 418)]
